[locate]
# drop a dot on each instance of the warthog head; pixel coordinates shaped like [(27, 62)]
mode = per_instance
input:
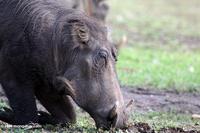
[(90, 77)]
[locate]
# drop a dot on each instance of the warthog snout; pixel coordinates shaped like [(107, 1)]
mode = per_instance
[(117, 118)]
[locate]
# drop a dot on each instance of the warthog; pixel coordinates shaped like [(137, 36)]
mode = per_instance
[(53, 53)]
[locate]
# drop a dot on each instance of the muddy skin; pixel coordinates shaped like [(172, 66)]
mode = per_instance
[(53, 53)]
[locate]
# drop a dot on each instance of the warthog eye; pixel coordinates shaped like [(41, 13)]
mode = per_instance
[(103, 54), (100, 60)]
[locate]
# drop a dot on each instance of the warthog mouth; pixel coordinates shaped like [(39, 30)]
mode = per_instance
[(116, 118)]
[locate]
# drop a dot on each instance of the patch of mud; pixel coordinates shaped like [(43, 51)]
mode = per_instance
[(145, 128), (140, 127), (163, 101), (176, 130)]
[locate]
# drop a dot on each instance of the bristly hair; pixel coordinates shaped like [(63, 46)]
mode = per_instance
[(35, 11), (41, 13), (43, 16)]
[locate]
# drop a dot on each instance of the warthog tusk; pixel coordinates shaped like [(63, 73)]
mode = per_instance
[(129, 103)]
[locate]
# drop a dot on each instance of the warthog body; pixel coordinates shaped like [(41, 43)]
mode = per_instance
[(53, 53)]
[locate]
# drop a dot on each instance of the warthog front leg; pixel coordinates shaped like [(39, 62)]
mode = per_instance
[(22, 102)]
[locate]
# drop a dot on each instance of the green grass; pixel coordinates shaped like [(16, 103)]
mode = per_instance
[(160, 35), (158, 68), (85, 124), (158, 120)]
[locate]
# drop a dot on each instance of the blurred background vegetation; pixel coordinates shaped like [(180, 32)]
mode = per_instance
[(162, 40)]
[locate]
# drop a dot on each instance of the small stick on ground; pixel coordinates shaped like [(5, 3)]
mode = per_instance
[(196, 116)]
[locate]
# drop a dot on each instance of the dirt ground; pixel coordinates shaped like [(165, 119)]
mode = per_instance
[(145, 128), (145, 100), (164, 101)]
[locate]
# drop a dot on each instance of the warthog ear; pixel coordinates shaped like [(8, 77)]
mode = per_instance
[(81, 32), (64, 87)]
